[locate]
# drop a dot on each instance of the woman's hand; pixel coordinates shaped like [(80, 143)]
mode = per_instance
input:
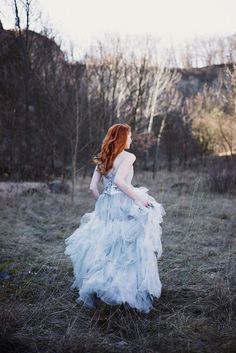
[(143, 202)]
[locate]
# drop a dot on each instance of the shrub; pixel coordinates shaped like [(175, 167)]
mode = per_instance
[(222, 175)]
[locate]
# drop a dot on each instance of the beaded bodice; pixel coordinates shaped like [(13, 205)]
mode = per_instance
[(110, 188)]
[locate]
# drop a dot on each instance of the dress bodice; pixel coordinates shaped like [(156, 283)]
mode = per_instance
[(110, 187)]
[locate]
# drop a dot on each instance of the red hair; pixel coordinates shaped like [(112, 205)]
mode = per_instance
[(113, 143)]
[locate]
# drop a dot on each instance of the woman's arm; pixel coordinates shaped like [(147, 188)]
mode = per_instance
[(93, 187), (120, 181)]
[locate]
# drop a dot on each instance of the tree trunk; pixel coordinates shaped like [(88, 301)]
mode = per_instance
[(75, 152), (157, 147)]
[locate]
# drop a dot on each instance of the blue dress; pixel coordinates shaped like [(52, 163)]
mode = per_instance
[(114, 251)]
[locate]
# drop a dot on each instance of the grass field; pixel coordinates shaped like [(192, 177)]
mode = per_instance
[(196, 312)]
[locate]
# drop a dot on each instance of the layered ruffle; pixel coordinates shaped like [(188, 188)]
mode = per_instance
[(115, 249)]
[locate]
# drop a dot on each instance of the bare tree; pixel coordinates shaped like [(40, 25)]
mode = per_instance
[(165, 81), (24, 37), (164, 98)]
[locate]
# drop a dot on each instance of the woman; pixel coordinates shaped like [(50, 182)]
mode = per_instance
[(114, 251)]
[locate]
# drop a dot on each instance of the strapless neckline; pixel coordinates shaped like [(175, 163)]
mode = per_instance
[(114, 171)]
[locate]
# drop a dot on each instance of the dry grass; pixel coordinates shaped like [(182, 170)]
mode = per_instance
[(196, 312)]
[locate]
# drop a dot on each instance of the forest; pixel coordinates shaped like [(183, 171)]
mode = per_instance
[(55, 110)]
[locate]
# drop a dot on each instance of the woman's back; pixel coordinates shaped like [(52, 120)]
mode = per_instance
[(108, 179)]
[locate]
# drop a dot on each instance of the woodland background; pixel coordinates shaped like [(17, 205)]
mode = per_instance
[(55, 111)]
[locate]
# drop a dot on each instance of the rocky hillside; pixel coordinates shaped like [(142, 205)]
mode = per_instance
[(193, 80)]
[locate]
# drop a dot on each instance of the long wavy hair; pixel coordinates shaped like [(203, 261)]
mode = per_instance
[(113, 143)]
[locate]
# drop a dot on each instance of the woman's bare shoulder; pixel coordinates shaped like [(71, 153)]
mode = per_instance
[(129, 155), (124, 155)]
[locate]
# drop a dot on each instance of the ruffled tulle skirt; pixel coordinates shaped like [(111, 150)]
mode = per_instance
[(114, 252)]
